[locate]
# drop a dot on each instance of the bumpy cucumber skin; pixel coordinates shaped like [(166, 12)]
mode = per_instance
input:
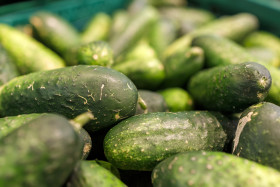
[(177, 99), (258, 134), (28, 54), (54, 31), (180, 66), (91, 174), (95, 53), (230, 88), (212, 169), (154, 101), (40, 153), (8, 69), (8, 124), (142, 141), (215, 55), (70, 91)]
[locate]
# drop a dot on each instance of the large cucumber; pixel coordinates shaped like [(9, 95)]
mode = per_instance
[(230, 88), (258, 134), (70, 91), (142, 141), (28, 54), (209, 169), (42, 152)]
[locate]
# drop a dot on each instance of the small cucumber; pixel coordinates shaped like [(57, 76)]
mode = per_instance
[(153, 100), (55, 32), (91, 174), (86, 143), (142, 141), (212, 169), (259, 122), (70, 91), (230, 88), (42, 152), (28, 54)]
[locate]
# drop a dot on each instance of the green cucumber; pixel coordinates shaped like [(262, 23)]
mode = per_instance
[(153, 100), (91, 174), (259, 122), (265, 54), (235, 27), (180, 66), (119, 20), (142, 141), (97, 28), (264, 39), (28, 54), (8, 69), (70, 91), (42, 152), (177, 99), (230, 88), (222, 51), (86, 143), (95, 53), (134, 30), (212, 169), (110, 167), (55, 32)]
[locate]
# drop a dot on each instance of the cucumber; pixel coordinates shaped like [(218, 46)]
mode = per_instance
[(212, 169), (109, 167), (55, 32), (28, 54), (142, 141), (8, 69), (265, 55), (119, 20), (177, 99), (230, 88), (91, 174), (229, 52), (46, 156), (154, 102), (180, 66), (235, 27), (259, 122), (86, 143), (97, 28), (95, 53), (70, 91), (134, 30)]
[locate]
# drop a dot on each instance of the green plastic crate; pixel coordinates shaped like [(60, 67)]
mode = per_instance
[(268, 11), (78, 12)]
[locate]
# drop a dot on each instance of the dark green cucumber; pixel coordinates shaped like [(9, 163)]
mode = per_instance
[(159, 3), (91, 174), (8, 69), (134, 30), (42, 152), (153, 100), (212, 169), (180, 66), (97, 28), (264, 39), (70, 91), (265, 54), (55, 32), (258, 134), (86, 143), (28, 54), (177, 99), (222, 51), (142, 141), (230, 88), (235, 27), (95, 53)]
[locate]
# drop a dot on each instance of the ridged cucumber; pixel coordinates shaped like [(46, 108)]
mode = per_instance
[(28, 54), (70, 91), (142, 141), (259, 122), (42, 152), (212, 169), (230, 88)]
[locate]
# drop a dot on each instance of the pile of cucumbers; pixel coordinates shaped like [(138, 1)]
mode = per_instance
[(159, 94)]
